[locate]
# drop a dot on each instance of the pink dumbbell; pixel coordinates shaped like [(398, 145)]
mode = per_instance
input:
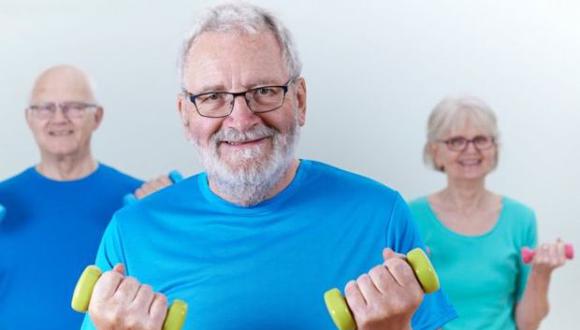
[(528, 254)]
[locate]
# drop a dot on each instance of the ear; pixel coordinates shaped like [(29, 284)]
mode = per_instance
[(99, 114), (434, 150), (301, 100), (27, 117), (183, 115)]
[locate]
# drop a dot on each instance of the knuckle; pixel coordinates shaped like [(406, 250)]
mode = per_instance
[(146, 288), (110, 275), (131, 280), (377, 270), (162, 298), (364, 278)]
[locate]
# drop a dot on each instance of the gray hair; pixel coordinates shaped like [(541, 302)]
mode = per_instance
[(451, 112), (245, 18)]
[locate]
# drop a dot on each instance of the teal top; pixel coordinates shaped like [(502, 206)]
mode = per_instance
[(483, 275)]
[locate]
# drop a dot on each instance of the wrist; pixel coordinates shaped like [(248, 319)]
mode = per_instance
[(541, 274)]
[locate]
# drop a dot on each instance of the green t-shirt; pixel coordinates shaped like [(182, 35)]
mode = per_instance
[(483, 275)]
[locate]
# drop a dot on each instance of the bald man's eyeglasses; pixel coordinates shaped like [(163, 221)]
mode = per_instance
[(72, 110)]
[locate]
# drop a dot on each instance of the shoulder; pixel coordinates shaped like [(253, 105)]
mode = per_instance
[(113, 174), (520, 221), (515, 209), (419, 204), (334, 179), (180, 195), (16, 181), (519, 217)]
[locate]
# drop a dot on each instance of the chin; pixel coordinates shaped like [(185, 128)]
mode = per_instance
[(63, 151)]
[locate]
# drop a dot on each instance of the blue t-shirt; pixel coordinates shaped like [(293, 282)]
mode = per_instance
[(265, 266), (484, 275), (51, 232)]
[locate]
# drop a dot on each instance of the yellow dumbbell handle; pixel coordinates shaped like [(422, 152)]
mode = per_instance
[(84, 289), (421, 265)]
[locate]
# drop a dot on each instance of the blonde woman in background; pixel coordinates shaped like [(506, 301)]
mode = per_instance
[(475, 235)]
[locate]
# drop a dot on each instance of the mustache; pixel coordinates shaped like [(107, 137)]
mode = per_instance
[(231, 134)]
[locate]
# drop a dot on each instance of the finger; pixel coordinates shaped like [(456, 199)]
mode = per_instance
[(119, 268), (389, 253), (354, 297), (402, 273), (166, 180), (128, 289), (561, 251), (140, 192), (382, 279), (161, 182), (107, 285), (553, 254), (144, 298), (367, 288), (540, 256), (158, 311)]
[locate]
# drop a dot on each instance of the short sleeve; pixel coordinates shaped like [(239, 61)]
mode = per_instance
[(402, 236), (108, 255)]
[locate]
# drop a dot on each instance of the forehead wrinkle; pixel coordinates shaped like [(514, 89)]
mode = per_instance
[(237, 61)]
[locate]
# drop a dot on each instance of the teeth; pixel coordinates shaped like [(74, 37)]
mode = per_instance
[(61, 133)]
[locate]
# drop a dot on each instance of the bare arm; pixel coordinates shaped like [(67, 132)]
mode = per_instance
[(534, 306)]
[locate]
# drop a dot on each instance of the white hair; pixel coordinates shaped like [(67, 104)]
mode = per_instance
[(451, 112), (245, 18)]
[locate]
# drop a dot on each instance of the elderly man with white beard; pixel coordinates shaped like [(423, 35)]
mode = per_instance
[(254, 241)]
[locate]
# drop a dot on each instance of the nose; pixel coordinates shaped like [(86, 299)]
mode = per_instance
[(59, 115), (470, 147), (242, 118)]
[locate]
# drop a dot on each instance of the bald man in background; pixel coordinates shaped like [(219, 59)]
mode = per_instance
[(58, 209)]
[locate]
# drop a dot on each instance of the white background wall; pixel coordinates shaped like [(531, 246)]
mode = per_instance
[(374, 70)]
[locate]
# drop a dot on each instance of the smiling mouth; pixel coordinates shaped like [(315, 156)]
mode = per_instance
[(244, 143), (470, 162), (61, 133)]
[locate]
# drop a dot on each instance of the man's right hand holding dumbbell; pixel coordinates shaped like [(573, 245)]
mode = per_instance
[(121, 302)]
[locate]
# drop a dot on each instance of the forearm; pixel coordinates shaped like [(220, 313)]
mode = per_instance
[(534, 306)]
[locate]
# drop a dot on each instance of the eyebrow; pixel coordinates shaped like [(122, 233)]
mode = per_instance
[(222, 88)]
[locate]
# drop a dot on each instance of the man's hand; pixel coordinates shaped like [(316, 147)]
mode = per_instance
[(386, 297), (120, 302), (152, 186)]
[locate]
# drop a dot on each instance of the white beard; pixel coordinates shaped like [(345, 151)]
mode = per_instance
[(254, 174)]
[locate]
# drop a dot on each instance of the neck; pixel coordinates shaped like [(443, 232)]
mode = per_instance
[(285, 180), (465, 196), (67, 167)]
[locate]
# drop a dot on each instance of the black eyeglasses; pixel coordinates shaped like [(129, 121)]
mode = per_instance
[(460, 143), (70, 109), (221, 104)]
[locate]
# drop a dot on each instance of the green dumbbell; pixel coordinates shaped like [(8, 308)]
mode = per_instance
[(84, 290), (338, 308)]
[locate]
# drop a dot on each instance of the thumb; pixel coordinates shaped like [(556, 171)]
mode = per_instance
[(119, 268)]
